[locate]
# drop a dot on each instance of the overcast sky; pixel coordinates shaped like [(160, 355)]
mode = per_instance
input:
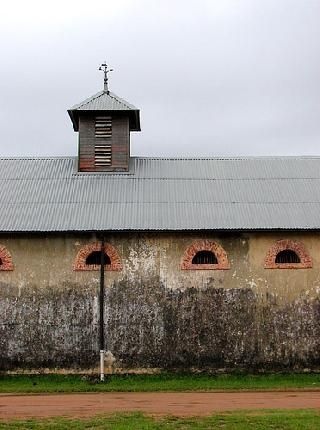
[(219, 77)]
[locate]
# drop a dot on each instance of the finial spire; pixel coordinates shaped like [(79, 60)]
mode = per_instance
[(105, 70)]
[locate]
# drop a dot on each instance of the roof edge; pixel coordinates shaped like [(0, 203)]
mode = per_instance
[(177, 158)]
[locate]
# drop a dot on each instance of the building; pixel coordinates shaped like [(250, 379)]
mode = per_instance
[(209, 263)]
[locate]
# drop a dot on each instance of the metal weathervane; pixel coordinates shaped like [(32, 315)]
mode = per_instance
[(105, 70)]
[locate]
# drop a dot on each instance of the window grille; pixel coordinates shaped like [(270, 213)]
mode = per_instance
[(287, 256), (95, 258), (204, 257)]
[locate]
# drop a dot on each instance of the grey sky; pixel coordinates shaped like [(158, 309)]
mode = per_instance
[(219, 77)]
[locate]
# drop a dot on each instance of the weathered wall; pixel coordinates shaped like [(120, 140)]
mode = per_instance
[(156, 314)]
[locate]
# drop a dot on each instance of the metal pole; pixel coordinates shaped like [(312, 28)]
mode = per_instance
[(101, 301)]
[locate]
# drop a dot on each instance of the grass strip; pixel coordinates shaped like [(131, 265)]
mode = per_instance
[(255, 420), (54, 383)]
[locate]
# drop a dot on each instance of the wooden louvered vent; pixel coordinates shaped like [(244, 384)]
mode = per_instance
[(103, 132)]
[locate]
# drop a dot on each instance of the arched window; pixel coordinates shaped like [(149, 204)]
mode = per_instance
[(287, 257), (89, 258), (5, 259), (204, 255), (95, 258), (288, 254)]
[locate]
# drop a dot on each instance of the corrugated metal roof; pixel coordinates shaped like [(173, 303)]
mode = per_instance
[(105, 102), (48, 194)]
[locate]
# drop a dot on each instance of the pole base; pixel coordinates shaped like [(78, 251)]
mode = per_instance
[(102, 352)]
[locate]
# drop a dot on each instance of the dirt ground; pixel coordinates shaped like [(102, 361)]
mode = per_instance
[(178, 404)]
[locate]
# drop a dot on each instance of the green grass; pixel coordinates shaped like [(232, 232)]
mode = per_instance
[(257, 420), (156, 382)]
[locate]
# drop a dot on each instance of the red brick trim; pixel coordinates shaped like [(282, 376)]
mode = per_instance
[(205, 245), (85, 251), (281, 245), (6, 259)]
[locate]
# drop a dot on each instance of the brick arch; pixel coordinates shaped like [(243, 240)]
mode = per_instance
[(6, 259), (85, 251), (205, 245), (287, 244)]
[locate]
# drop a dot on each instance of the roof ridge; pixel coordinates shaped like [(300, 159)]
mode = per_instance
[(138, 157), (87, 100), (222, 158), (37, 157), (120, 100)]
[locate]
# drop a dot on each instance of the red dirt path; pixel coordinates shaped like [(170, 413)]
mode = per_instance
[(178, 404)]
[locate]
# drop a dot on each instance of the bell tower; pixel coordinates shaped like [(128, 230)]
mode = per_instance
[(104, 122)]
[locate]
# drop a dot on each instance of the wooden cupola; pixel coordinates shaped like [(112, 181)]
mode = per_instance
[(104, 122)]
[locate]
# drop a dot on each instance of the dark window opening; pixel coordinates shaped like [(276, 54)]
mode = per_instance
[(287, 257), (0, 261), (204, 257), (95, 258)]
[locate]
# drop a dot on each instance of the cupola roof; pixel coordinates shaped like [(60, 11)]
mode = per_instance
[(103, 102)]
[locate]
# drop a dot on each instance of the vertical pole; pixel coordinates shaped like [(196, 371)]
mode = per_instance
[(105, 81), (101, 301)]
